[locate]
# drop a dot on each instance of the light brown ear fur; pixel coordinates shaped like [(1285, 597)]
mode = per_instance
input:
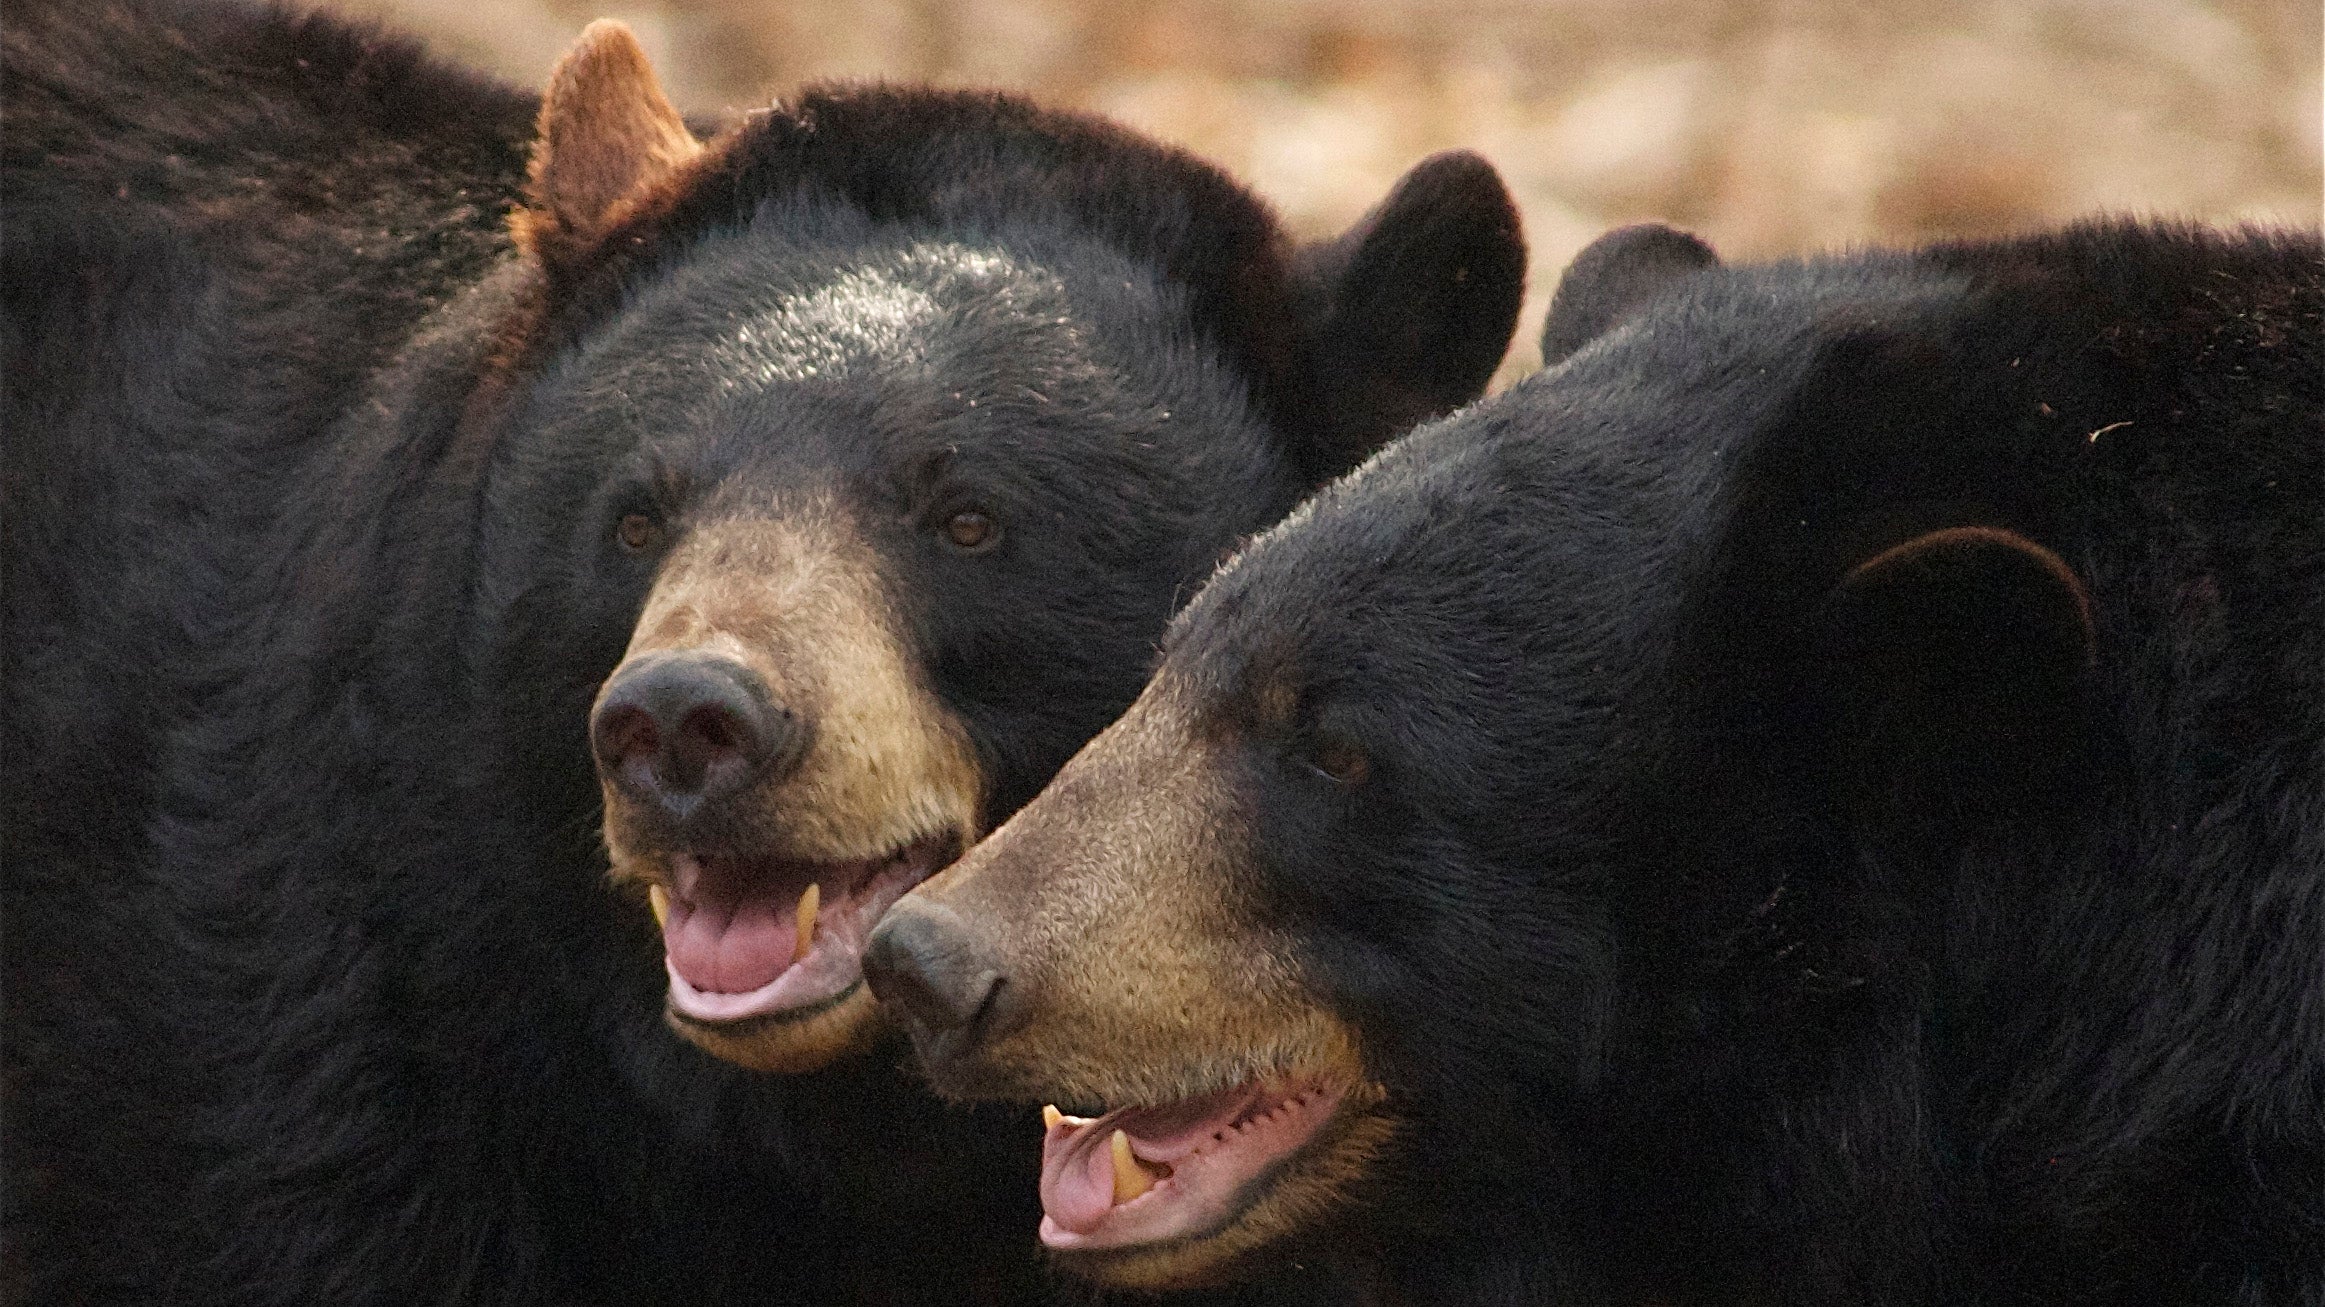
[(607, 132)]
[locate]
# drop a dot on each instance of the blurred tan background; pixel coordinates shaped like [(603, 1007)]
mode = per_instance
[(1767, 126)]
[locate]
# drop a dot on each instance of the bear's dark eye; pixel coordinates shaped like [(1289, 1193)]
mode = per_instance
[(971, 529), (1341, 761), (636, 531)]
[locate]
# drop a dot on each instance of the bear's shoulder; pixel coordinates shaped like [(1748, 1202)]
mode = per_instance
[(240, 127)]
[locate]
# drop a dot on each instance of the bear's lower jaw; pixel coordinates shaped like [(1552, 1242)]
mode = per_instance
[(793, 1042), (764, 957), (1189, 1189)]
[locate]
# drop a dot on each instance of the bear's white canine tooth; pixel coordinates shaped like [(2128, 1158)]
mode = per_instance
[(658, 899), (1050, 1116), (1130, 1178), (810, 899)]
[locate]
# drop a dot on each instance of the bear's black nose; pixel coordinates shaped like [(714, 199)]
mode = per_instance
[(941, 974), (678, 728)]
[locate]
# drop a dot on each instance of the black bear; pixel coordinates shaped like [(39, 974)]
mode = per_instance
[(1818, 797), (797, 499)]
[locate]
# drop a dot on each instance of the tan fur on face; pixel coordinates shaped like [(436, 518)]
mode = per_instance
[(1118, 906), (798, 601)]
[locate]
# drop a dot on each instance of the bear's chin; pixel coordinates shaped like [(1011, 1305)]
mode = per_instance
[(791, 1042)]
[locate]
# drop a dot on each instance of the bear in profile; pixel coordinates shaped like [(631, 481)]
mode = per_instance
[(1817, 797), (759, 517)]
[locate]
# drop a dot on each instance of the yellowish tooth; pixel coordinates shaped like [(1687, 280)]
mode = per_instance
[(1130, 1178), (1050, 1116), (809, 900), (658, 899)]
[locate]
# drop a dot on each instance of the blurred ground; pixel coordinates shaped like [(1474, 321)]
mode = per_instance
[(1768, 126)]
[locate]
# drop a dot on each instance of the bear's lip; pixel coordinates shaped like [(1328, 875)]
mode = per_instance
[(730, 927), (1208, 1160)]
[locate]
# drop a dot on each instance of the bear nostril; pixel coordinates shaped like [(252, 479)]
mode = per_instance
[(622, 732), (712, 751), (716, 728)]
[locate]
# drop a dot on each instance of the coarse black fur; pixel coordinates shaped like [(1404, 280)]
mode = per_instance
[(1612, 278), (315, 991), (1739, 912)]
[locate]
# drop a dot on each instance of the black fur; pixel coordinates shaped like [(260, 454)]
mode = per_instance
[(1736, 925), (315, 991), (1614, 277)]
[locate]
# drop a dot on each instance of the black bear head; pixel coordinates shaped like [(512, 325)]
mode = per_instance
[(854, 460), (1462, 767)]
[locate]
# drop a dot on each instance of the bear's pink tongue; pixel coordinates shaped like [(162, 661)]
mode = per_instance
[(1077, 1190), (728, 946), (1081, 1176), (1138, 1175), (750, 938)]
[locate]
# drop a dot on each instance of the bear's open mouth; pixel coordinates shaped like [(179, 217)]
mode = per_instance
[(758, 939), (1139, 1176)]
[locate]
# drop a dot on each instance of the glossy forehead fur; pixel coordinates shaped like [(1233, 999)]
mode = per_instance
[(811, 347), (809, 296), (965, 161)]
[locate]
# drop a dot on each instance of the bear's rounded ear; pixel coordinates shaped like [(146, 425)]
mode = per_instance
[(607, 133), (1957, 664), (1407, 314), (1612, 278)]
